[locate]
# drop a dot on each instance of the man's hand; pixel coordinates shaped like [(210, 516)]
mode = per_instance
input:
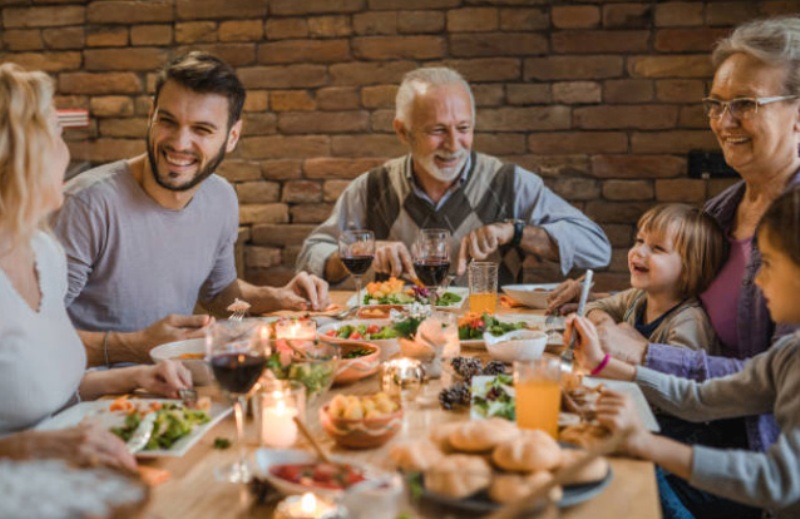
[(173, 327), (623, 342), (393, 258), (482, 242), (304, 292)]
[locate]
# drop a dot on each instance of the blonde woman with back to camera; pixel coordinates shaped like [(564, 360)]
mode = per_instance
[(42, 360)]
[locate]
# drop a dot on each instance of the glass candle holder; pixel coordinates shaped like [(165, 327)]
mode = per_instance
[(276, 405), (403, 378)]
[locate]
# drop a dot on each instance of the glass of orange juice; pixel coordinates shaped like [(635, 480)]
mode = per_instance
[(537, 384), (482, 276)]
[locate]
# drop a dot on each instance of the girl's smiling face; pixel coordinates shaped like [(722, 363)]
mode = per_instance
[(779, 280), (655, 264)]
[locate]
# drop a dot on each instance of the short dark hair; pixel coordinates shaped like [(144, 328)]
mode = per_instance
[(206, 74), (781, 222)]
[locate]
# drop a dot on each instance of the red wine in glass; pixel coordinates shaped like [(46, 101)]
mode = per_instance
[(237, 373), (431, 271), (357, 265)]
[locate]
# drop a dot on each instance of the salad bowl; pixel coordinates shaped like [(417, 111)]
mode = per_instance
[(378, 332), (517, 345), (359, 360)]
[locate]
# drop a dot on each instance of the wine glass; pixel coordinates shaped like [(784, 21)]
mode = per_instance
[(357, 250), (237, 357), (431, 255)]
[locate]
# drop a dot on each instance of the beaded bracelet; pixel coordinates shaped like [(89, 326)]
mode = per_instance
[(600, 367)]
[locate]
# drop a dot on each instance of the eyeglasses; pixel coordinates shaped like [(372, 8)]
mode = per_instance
[(739, 108)]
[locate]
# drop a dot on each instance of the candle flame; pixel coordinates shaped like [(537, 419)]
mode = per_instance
[(308, 503)]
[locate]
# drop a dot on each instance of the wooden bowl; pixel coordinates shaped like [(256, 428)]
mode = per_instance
[(365, 433), (350, 370)]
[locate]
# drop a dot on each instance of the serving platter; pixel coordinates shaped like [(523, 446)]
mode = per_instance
[(480, 502), (98, 411), (462, 292), (536, 322)]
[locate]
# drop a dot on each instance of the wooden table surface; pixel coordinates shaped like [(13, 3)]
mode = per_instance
[(192, 491)]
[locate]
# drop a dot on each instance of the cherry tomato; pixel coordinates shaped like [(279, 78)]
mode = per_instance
[(331, 333), (373, 328), (356, 335)]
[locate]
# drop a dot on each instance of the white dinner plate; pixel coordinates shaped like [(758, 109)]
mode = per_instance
[(631, 388), (98, 411), (459, 291)]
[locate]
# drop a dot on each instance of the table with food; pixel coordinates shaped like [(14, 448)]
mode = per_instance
[(390, 410)]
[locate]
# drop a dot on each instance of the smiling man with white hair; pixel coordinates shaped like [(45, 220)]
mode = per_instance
[(495, 211)]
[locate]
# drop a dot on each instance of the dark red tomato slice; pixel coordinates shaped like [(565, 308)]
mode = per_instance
[(356, 335), (373, 328)]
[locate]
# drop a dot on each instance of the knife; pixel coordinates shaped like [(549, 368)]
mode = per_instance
[(142, 434)]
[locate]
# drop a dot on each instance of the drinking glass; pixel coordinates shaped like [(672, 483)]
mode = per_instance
[(482, 277), (237, 357), (431, 255), (357, 250), (537, 384)]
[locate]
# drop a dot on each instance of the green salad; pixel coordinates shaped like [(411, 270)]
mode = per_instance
[(420, 295), (173, 422), (472, 326), (494, 397), (316, 376)]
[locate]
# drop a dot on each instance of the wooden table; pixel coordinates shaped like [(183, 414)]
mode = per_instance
[(193, 492)]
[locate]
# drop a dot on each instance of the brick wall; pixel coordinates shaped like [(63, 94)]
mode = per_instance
[(598, 97)]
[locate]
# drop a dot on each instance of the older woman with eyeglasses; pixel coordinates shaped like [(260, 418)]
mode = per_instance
[(754, 111)]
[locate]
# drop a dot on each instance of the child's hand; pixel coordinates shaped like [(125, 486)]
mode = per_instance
[(617, 412), (588, 352)]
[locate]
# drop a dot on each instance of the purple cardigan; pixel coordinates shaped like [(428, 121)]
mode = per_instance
[(755, 330)]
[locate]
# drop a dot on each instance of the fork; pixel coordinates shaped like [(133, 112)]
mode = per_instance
[(239, 309), (568, 356)]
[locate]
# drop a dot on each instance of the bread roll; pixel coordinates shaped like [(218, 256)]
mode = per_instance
[(415, 456), (506, 488), (532, 451), (483, 435), (458, 476), (594, 471), (440, 435)]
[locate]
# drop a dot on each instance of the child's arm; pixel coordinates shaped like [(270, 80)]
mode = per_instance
[(617, 412), (590, 355), (597, 317)]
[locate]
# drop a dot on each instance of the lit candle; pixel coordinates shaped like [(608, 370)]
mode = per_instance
[(265, 339), (305, 329), (279, 429), (307, 506)]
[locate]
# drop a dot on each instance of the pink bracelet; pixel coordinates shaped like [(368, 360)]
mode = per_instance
[(600, 367)]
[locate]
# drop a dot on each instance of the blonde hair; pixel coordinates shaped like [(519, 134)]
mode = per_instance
[(696, 236), (25, 138), (415, 83), (775, 41)]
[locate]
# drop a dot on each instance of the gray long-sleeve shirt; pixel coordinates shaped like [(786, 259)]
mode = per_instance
[(581, 243), (769, 382)]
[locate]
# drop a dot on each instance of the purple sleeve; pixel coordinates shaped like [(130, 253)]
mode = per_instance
[(692, 364)]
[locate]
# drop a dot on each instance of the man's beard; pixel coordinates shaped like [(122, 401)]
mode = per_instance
[(443, 175), (198, 177)]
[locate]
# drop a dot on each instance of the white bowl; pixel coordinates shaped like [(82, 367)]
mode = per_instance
[(519, 345), (201, 373), (388, 347), (267, 458), (534, 296)]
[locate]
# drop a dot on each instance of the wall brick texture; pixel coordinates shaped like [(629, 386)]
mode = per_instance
[(599, 97)]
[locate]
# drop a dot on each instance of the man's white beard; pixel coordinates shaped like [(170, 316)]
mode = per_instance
[(443, 174)]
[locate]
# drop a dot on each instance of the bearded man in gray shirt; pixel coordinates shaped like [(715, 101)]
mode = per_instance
[(147, 237)]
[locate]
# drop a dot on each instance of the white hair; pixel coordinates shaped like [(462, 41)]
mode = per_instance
[(775, 41), (418, 81)]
